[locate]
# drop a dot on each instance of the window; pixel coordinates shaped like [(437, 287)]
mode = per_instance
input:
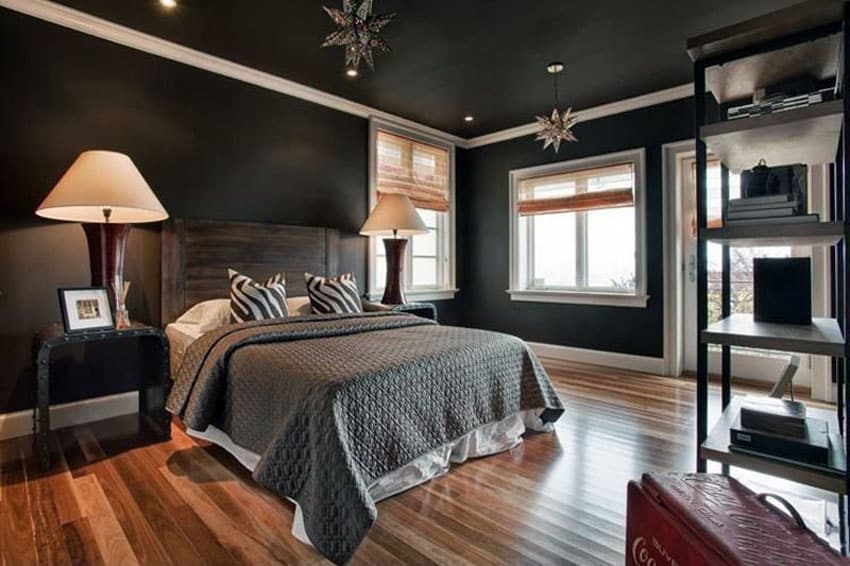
[(577, 231), (421, 167)]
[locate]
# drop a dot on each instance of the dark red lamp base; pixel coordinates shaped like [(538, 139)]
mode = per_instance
[(107, 243), (393, 290)]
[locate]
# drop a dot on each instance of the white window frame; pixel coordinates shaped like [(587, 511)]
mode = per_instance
[(519, 290), (446, 269)]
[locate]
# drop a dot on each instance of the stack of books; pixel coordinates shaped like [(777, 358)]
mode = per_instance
[(780, 428), (779, 103), (767, 209)]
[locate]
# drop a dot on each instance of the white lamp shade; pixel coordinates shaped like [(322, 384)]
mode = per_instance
[(395, 215), (98, 181)]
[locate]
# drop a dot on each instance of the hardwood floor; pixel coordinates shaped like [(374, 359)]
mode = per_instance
[(557, 498)]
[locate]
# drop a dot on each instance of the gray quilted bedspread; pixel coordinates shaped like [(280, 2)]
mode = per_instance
[(334, 402)]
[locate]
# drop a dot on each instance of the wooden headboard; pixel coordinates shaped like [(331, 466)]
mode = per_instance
[(197, 253)]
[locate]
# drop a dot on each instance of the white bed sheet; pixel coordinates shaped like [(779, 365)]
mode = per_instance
[(486, 440)]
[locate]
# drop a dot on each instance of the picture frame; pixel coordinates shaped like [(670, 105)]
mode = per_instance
[(85, 309)]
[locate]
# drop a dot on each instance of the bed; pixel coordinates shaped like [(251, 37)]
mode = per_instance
[(335, 412)]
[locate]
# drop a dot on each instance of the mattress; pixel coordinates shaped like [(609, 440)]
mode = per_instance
[(180, 336)]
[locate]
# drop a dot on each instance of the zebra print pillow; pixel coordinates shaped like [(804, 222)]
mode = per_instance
[(333, 294), (250, 300)]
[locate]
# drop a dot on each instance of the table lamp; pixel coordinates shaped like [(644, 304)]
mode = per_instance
[(394, 216), (105, 192)]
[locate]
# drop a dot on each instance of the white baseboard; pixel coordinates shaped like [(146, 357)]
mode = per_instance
[(644, 364), (70, 414)]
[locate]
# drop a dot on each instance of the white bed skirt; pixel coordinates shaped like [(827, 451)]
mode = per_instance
[(488, 439)]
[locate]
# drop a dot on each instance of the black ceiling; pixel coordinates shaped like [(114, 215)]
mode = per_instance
[(453, 57)]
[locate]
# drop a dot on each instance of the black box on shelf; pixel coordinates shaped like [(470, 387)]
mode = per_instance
[(811, 449), (777, 416), (782, 290)]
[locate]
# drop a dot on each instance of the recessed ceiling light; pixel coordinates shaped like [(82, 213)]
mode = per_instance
[(351, 72), (469, 118), (169, 3)]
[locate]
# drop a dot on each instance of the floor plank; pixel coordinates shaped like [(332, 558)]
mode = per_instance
[(111, 541), (81, 542), (134, 523), (17, 539), (47, 527), (554, 499)]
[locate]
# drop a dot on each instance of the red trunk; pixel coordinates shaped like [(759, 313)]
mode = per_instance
[(708, 520)]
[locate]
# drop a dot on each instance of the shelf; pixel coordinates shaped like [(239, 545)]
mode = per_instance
[(776, 234), (822, 337), (832, 477), (739, 79), (763, 29), (807, 135)]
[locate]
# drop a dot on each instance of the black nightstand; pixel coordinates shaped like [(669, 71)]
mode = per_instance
[(153, 386), (425, 310)]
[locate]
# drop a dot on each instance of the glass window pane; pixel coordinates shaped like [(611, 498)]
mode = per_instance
[(611, 181), (523, 279), (380, 271), (429, 217), (715, 204), (741, 276), (380, 274), (424, 272), (734, 185), (741, 269), (715, 262), (554, 190), (425, 244), (715, 192), (611, 249), (380, 248), (554, 252)]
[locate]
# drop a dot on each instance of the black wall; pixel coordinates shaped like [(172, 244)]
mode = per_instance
[(209, 146), (486, 240), (216, 148)]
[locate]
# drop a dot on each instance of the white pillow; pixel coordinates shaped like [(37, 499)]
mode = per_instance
[(299, 306), (208, 315), (215, 313)]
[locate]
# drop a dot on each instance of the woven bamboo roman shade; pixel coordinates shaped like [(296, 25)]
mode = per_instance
[(415, 169), (588, 189)]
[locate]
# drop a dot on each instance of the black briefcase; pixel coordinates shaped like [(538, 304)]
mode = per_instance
[(792, 180)]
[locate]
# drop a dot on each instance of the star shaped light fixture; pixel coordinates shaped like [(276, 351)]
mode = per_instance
[(358, 32), (557, 127)]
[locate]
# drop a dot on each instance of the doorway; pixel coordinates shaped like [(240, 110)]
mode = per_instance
[(680, 303)]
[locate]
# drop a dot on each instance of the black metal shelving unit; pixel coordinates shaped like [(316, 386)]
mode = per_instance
[(807, 39)]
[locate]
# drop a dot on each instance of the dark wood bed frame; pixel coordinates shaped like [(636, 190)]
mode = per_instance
[(197, 253)]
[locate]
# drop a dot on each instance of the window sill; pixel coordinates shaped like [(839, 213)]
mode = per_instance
[(418, 295), (579, 298)]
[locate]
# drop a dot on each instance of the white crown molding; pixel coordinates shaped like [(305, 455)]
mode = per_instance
[(618, 107), (104, 29), (128, 37)]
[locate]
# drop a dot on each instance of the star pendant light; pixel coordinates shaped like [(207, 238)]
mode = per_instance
[(358, 32), (558, 127)]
